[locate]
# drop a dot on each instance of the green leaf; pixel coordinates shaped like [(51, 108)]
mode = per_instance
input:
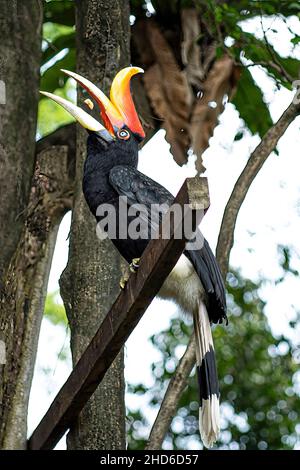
[(64, 41), (295, 40), (264, 7), (51, 115), (54, 311), (250, 104), (239, 136), (294, 6), (60, 11), (258, 51), (51, 31), (53, 78), (219, 52)]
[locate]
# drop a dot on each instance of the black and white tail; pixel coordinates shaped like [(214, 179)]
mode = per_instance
[(209, 414)]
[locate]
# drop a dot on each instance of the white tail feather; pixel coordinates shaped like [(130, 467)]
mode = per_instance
[(209, 420), (203, 332), (209, 414)]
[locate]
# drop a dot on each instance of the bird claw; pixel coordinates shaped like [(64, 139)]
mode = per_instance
[(134, 265), (123, 282)]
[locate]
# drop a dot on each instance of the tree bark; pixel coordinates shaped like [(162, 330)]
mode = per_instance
[(25, 287), (172, 396), (20, 51), (90, 282), (240, 190)]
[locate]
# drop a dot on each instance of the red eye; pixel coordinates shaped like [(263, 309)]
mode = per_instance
[(123, 134)]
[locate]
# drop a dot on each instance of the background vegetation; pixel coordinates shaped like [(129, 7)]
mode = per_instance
[(258, 371)]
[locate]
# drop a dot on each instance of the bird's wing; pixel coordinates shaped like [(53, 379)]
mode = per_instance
[(207, 268), (140, 189)]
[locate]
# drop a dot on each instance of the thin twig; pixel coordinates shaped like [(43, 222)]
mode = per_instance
[(275, 64), (225, 242), (51, 45), (169, 404), (253, 166)]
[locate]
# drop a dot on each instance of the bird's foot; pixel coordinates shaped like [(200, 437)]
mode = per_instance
[(123, 282), (134, 265)]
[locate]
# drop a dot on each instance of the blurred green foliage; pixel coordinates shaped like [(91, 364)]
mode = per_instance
[(54, 310), (259, 379), (259, 375), (60, 11), (59, 117), (58, 52)]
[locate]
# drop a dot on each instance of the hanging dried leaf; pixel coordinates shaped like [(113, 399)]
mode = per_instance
[(189, 120), (169, 93), (221, 81), (190, 50), (175, 126)]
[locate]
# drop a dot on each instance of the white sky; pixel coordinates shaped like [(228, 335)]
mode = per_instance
[(269, 217)]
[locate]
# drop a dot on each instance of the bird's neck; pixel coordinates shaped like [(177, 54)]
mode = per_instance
[(96, 186)]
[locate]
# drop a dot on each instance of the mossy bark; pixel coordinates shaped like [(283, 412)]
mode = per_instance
[(20, 52), (90, 282), (24, 289)]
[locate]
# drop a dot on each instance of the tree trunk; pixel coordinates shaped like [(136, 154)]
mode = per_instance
[(90, 282), (20, 50), (25, 287)]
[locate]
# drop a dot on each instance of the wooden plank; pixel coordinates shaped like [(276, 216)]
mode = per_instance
[(158, 260)]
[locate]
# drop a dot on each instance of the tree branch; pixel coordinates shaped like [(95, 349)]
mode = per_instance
[(225, 242), (64, 135), (240, 190), (25, 286), (275, 66), (172, 396)]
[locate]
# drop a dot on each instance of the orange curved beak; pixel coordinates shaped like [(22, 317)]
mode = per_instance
[(119, 110), (120, 97)]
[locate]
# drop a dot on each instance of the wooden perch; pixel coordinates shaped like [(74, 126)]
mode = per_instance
[(158, 260)]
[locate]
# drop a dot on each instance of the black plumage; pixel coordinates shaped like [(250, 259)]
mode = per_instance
[(111, 171)]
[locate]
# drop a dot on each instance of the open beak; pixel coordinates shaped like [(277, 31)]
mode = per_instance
[(87, 121), (116, 112)]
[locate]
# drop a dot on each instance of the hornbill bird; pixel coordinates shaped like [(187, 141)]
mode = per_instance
[(110, 172)]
